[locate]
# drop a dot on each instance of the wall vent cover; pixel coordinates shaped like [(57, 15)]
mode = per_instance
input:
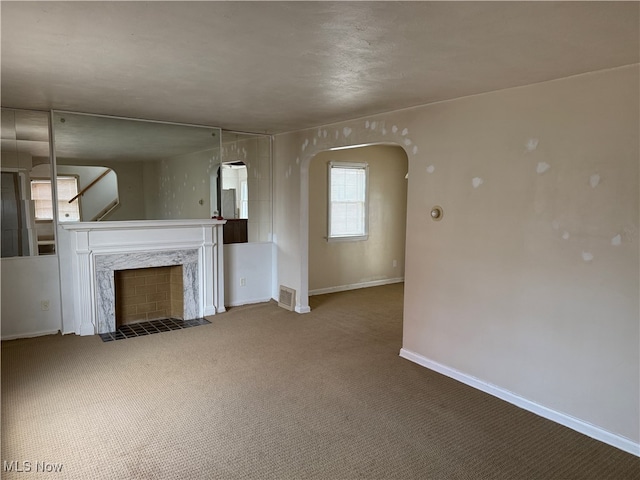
[(287, 297)]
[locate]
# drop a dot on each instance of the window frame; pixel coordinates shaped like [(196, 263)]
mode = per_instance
[(348, 238), (56, 212)]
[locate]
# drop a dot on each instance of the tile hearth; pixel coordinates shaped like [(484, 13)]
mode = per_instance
[(148, 328)]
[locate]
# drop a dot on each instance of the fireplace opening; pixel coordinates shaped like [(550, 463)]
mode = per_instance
[(144, 294)]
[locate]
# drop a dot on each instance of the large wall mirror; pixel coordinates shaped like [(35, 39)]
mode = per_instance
[(124, 169), (27, 221), (114, 169), (244, 187)]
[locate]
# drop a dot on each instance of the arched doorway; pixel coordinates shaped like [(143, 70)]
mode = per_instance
[(330, 266)]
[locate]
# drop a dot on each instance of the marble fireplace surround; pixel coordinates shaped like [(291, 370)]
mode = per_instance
[(107, 265), (98, 249)]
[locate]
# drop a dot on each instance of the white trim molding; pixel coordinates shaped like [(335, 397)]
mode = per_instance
[(573, 423), (253, 301), (355, 286), (30, 334)]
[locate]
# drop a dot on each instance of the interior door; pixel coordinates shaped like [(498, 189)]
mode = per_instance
[(11, 218)]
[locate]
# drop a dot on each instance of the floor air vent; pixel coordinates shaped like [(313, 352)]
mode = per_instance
[(287, 298)]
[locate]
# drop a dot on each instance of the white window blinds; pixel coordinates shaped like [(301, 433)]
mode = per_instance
[(347, 200), (67, 189)]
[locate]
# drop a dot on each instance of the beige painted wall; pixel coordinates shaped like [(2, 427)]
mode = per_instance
[(531, 281), (336, 264)]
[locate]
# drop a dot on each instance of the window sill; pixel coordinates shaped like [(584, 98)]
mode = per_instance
[(352, 238)]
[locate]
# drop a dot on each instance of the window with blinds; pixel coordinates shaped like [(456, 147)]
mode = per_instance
[(67, 189), (348, 201)]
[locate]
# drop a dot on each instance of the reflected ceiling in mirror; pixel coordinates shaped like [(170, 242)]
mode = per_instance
[(24, 132), (163, 170), (94, 137)]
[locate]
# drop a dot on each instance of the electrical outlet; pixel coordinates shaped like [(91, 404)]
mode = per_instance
[(395, 263), (44, 304), (243, 282)]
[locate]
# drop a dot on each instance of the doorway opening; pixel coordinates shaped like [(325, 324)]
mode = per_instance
[(364, 260)]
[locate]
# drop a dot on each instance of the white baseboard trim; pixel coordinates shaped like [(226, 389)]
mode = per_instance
[(30, 334), (355, 286), (301, 309), (563, 419), (248, 302)]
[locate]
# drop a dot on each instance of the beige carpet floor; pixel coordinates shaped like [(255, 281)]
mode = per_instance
[(263, 393)]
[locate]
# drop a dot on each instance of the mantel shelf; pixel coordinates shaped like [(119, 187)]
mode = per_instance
[(141, 224)]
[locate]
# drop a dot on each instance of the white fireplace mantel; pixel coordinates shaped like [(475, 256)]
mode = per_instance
[(91, 251)]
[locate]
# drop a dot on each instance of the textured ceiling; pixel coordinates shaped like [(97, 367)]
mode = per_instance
[(282, 66)]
